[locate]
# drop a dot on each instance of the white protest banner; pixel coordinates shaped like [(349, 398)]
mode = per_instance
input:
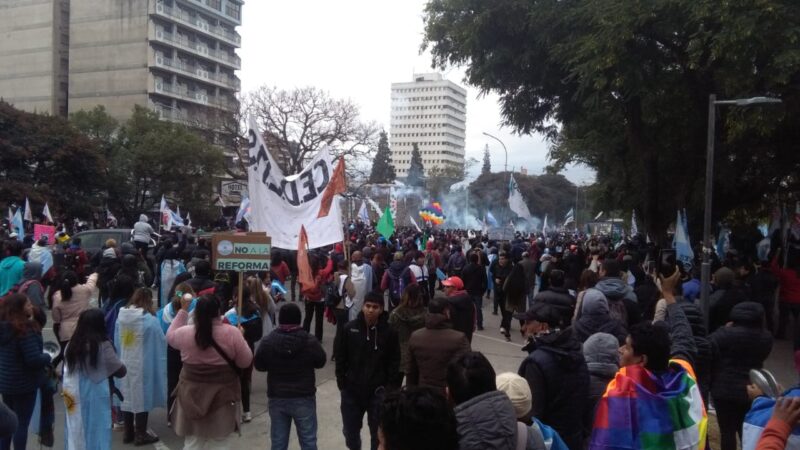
[(279, 205)]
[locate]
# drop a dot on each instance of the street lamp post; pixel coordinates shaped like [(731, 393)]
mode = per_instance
[(705, 274), (505, 166)]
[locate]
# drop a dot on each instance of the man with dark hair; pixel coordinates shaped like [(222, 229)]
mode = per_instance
[(475, 283), (290, 355), (202, 282), (649, 382), (485, 416), (557, 295), (622, 301), (431, 349), (367, 365), (556, 371), (417, 418), (461, 307)]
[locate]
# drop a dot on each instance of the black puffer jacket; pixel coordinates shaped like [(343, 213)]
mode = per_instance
[(487, 422), (559, 380), (737, 349), (289, 356), (703, 358), (367, 357), (559, 298)]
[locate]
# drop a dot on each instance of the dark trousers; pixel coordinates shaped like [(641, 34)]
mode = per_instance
[(505, 322), (341, 320), (353, 407), (496, 303), (784, 310), (60, 355), (314, 309), (730, 415), (174, 366), (478, 300), (134, 424), (22, 405), (246, 382)]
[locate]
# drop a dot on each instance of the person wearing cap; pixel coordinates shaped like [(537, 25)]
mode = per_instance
[(531, 433), (556, 371), (461, 306), (431, 348), (742, 345), (367, 365)]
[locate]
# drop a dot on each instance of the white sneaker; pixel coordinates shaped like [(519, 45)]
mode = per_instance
[(502, 330), (247, 417)]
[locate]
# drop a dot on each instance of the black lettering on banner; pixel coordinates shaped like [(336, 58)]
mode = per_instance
[(325, 177), (290, 196), (308, 184)]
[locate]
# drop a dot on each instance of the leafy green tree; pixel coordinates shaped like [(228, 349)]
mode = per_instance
[(416, 171), (382, 169), (623, 86), (45, 159), (547, 194), (487, 162)]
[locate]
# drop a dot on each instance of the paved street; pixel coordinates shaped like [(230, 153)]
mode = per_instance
[(504, 356)]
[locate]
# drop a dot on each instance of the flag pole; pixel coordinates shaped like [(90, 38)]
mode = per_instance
[(241, 293)]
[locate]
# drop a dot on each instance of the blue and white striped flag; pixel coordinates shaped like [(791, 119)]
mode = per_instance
[(683, 247)]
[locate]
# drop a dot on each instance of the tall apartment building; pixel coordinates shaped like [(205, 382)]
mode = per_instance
[(177, 57), (431, 112)]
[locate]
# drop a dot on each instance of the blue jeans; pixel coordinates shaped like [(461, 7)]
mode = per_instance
[(303, 410), (22, 405), (354, 405)]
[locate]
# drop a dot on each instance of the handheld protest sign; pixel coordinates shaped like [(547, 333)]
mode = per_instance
[(248, 252)]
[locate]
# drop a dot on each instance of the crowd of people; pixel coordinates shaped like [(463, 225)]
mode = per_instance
[(619, 351)]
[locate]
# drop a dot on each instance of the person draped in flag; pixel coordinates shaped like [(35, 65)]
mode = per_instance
[(89, 361), (654, 401)]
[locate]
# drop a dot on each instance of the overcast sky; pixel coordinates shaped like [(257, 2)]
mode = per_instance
[(356, 49)]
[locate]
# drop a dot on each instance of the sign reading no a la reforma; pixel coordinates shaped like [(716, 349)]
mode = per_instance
[(241, 252)]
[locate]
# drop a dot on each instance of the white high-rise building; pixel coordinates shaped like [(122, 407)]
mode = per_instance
[(431, 112)]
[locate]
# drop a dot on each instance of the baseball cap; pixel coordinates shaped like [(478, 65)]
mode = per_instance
[(541, 312), (454, 282)]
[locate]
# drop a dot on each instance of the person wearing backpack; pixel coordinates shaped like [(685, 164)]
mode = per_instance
[(622, 301), (395, 280), (422, 275), (31, 284), (75, 258)]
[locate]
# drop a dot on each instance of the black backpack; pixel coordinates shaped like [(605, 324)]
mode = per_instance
[(396, 287), (71, 261), (333, 295)]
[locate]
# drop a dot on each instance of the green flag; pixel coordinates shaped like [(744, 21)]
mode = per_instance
[(386, 224)]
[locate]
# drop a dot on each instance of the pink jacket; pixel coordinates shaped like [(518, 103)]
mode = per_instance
[(181, 337), (66, 312)]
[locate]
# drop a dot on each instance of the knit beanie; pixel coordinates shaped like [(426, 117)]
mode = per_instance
[(518, 391)]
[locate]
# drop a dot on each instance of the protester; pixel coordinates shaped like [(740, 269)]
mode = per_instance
[(23, 362), (69, 302), (622, 302), (595, 318), (201, 282), (89, 362), (406, 319), (166, 315), (432, 348), (395, 279), (531, 433), (367, 365), (122, 289), (8, 422), (556, 371), (314, 294), (170, 267), (557, 295), (705, 354), (499, 271), (475, 284), (417, 418), (461, 307), (11, 267), (601, 351), (339, 296), (785, 418), (485, 417), (655, 375), (207, 401), (75, 258), (421, 275), (142, 233), (290, 355), (788, 294), (737, 348), (142, 348), (31, 284), (361, 276), (726, 295)]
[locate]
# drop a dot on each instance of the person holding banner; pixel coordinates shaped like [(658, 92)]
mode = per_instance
[(314, 295)]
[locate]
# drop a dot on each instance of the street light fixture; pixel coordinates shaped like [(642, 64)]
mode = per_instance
[(705, 275), (505, 167)]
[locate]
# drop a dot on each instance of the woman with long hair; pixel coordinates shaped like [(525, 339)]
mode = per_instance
[(165, 317), (22, 361), (207, 402), (69, 302), (406, 319), (587, 281), (255, 304), (89, 361), (143, 349)]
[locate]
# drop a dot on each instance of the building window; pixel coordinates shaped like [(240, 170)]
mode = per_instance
[(216, 4), (233, 10)]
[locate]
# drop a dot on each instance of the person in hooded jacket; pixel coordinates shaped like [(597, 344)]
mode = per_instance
[(290, 355), (726, 295), (202, 282), (622, 300), (461, 307), (557, 295), (737, 348), (31, 284), (485, 416), (595, 318), (395, 279), (499, 271), (431, 349), (406, 319), (367, 365), (556, 372), (703, 357), (142, 233), (11, 267), (601, 351)]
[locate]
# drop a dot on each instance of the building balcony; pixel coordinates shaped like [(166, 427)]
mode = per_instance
[(197, 24), (196, 72), (193, 96), (198, 49)]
